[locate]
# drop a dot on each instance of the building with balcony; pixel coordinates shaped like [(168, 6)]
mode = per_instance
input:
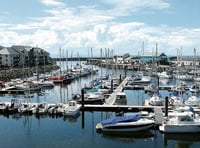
[(23, 56)]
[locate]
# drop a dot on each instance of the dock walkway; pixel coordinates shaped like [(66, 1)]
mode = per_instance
[(112, 98)]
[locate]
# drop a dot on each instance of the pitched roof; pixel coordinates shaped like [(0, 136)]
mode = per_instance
[(21, 48), (8, 50)]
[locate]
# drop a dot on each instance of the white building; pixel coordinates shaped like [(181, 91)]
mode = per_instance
[(18, 56), (187, 61), (9, 57), (120, 58)]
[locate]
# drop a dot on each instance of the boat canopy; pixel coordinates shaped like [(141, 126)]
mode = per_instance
[(125, 118)]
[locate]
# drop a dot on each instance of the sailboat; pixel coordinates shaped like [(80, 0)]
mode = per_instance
[(156, 99)]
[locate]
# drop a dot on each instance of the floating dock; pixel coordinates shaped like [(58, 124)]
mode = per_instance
[(142, 87), (112, 98), (12, 91), (119, 108)]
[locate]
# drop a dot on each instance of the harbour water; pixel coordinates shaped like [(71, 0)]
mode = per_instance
[(55, 132)]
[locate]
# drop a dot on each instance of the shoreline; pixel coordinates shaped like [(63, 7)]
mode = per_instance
[(13, 73)]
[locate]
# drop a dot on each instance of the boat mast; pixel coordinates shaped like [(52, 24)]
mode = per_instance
[(101, 60), (37, 63), (67, 60), (60, 59), (157, 66)]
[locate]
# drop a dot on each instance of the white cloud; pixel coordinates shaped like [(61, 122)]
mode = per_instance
[(52, 3), (82, 27), (127, 7), (41, 38), (155, 4)]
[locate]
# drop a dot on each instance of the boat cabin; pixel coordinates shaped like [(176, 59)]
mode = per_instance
[(121, 98), (72, 103)]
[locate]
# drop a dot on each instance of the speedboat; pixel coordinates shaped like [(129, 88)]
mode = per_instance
[(181, 122), (156, 99), (125, 123), (72, 109)]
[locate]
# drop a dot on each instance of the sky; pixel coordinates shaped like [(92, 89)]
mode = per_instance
[(84, 27)]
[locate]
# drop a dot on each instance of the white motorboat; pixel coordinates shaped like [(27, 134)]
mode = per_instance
[(164, 75), (59, 108), (41, 108), (175, 98), (150, 88), (184, 76), (140, 80), (3, 107), (194, 88), (44, 83), (156, 99), (193, 100), (181, 122), (72, 109), (25, 108), (28, 86), (91, 98), (125, 123)]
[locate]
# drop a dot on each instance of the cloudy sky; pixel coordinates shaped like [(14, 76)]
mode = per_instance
[(119, 25)]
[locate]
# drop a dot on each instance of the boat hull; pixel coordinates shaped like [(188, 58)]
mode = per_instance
[(126, 127), (191, 128)]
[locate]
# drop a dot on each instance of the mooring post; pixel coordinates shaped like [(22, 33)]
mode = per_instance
[(166, 106), (82, 98), (112, 85), (83, 119), (125, 68)]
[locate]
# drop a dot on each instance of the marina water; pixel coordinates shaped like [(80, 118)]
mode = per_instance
[(55, 132)]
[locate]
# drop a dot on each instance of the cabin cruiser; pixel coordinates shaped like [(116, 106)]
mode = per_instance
[(181, 122)]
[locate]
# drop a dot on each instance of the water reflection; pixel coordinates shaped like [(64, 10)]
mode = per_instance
[(129, 137), (71, 119), (182, 139), (17, 116)]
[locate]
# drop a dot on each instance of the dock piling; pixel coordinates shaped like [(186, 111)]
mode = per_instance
[(166, 106), (112, 85), (82, 97)]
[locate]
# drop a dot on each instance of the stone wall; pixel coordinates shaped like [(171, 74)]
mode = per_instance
[(7, 75)]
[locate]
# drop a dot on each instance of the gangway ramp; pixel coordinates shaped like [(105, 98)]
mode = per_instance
[(112, 98)]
